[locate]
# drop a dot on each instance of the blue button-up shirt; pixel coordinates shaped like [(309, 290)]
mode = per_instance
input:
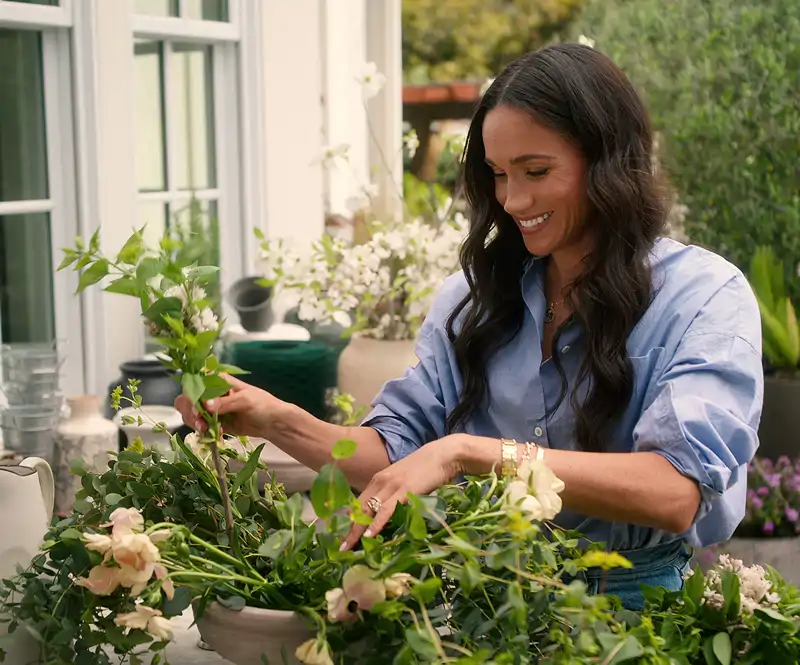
[(697, 398)]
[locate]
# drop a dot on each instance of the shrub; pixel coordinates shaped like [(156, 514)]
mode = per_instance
[(722, 81)]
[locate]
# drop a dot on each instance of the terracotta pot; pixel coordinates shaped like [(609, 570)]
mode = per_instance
[(783, 554), (243, 637), (366, 364)]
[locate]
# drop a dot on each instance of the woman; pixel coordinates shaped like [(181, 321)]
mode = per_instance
[(632, 363)]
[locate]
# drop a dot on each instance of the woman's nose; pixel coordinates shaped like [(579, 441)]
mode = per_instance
[(519, 200)]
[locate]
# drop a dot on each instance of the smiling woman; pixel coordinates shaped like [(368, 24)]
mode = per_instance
[(630, 363)]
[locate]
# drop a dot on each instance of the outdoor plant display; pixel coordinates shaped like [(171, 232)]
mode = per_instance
[(383, 281), (773, 499), (474, 573)]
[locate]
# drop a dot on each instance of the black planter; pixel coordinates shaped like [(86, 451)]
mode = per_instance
[(780, 418), (253, 304)]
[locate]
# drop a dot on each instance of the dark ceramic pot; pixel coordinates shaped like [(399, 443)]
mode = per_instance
[(253, 304), (780, 418)]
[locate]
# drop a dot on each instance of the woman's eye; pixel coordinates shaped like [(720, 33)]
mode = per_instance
[(540, 173), (495, 174)]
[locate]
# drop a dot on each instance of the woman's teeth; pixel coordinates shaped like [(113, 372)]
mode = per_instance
[(530, 223)]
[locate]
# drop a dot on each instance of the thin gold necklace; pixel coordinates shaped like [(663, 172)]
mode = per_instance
[(550, 312)]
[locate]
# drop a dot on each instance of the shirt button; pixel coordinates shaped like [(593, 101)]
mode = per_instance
[(565, 349), (538, 431)]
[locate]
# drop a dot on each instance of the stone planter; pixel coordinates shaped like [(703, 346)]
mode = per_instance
[(244, 637), (780, 416), (366, 364), (287, 470), (783, 554)]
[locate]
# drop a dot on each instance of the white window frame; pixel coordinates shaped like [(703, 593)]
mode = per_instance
[(224, 37), (51, 22)]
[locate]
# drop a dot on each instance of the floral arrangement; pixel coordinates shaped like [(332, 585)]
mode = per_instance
[(473, 573), (773, 499), (380, 283)]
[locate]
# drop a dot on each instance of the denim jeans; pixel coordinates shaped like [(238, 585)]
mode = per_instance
[(663, 565)]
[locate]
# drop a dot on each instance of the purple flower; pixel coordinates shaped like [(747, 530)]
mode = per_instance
[(751, 494), (784, 461), (762, 491), (774, 479), (768, 528), (758, 504), (791, 514)]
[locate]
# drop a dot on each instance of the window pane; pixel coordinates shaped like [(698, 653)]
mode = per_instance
[(52, 3), (193, 117), (149, 94), (153, 215), (210, 10), (157, 7), (23, 150), (196, 225), (26, 279)]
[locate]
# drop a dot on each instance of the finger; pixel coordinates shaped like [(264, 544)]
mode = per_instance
[(357, 530), (384, 515), (190, 414), (236, 384), (231, 403)]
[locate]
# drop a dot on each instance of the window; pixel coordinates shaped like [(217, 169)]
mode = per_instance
[(37, 215), (187, 138), (204, 10), (26, 292)]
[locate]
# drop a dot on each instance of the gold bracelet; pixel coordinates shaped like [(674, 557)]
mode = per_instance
[(527, 453), (508, 455)]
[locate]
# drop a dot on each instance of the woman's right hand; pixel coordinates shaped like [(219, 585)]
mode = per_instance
[(248, 410)]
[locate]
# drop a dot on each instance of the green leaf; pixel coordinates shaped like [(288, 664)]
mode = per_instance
[(202, 274), (94, 241), (249, 468), (427, 590), (162, 306), (774, 615), (232, 369), (113, 499), (722, 648), (148, 268), (330, 491), (731, 593), (132, 250), (71, 534), (695, 587), (193, 387), (215, 386), (180, 601), (93, 274), (344, 449), (70, 256), (630, 648), (235, 603), (417, 526), (422, 644), (274, 546), (124, 285)]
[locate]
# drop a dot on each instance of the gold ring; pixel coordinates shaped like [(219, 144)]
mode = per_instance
[(374, 504)]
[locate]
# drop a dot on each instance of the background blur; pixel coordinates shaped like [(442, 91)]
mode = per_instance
[(215, 116)]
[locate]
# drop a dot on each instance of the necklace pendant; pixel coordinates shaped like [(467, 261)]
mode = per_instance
[(549, 314)]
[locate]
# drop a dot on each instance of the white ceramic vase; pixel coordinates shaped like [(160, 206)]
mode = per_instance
[(86, 434), (366, 364), (244, 637), (151, 414)]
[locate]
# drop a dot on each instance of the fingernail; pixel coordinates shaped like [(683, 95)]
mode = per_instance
[(195, 412), (198, 424), (210, 404), (368, 533), (343, 547)]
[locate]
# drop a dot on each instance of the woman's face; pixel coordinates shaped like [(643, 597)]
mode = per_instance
[(540, 180)]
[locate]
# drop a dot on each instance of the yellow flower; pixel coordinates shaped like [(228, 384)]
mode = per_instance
[(398, 585), (314, 652), (147, 619), (604, 560), (102, 580), (360, 591), (124, 521)]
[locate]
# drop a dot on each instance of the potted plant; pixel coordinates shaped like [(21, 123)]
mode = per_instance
[(473, 573), (379, 284), (781, 345), (768, 535)]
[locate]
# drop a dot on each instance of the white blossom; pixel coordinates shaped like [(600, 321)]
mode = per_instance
[(333, 156), (371, 80), (204, 320), (412, 143), (755, 590), (586, 41)]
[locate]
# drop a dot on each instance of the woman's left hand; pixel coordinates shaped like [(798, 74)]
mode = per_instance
[(426, 469)]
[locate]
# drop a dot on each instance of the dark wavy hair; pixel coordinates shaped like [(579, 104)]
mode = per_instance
[(581, 94)]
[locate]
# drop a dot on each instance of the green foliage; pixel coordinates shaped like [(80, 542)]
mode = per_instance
[(722, 81), (781, 336), (446, 40)]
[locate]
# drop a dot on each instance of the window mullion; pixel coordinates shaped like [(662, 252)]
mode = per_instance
[(170, 103)]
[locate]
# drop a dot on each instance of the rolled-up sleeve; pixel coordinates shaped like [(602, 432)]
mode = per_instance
[(705, 414), (409, 411)]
